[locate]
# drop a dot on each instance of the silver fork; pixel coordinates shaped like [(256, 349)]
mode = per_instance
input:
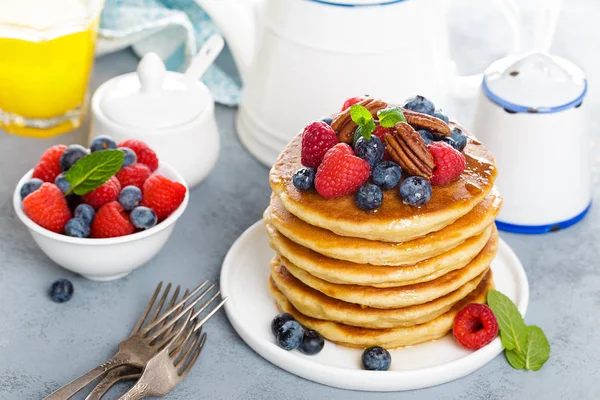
[(141, 346), (170, 366), (126, 372)]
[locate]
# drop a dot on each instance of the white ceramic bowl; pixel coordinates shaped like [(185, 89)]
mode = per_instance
[(103, 259)]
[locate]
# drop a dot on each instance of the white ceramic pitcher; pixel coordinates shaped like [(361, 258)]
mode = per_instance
[(300, 59)]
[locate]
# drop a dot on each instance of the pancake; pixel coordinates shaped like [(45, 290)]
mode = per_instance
[(349, 273), (352, 336), (365, 251), (403, 296), (315, 304), (393, 221)]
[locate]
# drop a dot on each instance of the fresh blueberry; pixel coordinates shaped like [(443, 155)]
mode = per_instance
[(143, 217), (420, 104), (386, 175), (327, 120), (76, 227), (304, 178), (279, 320), (312, 343), (102, 142), (415, 191), (130, 197), (458, 139), (368, 197), (30, 186), (440, 115), (376, 359), (370, 150), (427, 136), (130, 156), (62, 182), (289, 335), (71, 155), (61, 290), (85, 212)]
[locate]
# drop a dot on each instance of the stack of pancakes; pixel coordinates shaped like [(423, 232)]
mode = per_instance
[(392, 277)]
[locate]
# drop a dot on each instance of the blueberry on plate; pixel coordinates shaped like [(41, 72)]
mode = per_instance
[(427, 136), (279, 320), (130, 197), (289, 335), (102, 142), (62, 182), (143, 217), (312, 343), (304, 178), (76, 227), (370, 150), (386, 175), (420, 104), (84, 212), (458, 139), (415, 191), (61, 290), (130, 156), (376, 359), (327, 120), (72, 154), (440, 115), (30, 186), (368, 197)]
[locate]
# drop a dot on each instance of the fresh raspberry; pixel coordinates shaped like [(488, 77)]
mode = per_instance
[(145, 155), (351, 101), (135, 175), (47, 207), (48, 167), (162, 195), (105, 193), (317, 138), (341, 172), (475, 326), (111, 220), (380, 132), (449, 163)]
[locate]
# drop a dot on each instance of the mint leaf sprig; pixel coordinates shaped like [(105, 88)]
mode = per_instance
[(363, 118), (93, 170), (526, 346), (390, 116)]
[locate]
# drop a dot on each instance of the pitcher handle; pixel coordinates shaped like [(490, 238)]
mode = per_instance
[(466, 86)]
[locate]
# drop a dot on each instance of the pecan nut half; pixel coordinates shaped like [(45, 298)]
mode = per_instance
[(343, 125), (424, 121), (408, 149)]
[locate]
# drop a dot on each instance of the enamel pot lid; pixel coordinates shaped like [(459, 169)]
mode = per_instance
[(535, 83), (152, 98)]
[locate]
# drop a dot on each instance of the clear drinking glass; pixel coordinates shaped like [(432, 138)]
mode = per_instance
[(46, 56)]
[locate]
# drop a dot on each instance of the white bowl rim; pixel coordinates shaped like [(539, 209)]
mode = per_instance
[(170, 220)]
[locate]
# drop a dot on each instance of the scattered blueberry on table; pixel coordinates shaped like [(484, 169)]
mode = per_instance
[(61, 291)]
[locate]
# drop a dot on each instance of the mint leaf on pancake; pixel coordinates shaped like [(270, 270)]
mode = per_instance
[(390, 116)]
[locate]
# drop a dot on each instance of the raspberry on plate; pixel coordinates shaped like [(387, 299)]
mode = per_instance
[(48, 167), (145, 155), (134, 175), (162, 195), (449, 163), (111, 221), (105, 193), (48, 207), (317, 138), (341, 172), (475, 326), (352, 101)]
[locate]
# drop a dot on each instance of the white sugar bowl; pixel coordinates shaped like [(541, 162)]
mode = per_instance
[(532, 115), (171, 112)]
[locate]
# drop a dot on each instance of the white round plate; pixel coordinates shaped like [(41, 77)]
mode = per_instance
[(251, 308)]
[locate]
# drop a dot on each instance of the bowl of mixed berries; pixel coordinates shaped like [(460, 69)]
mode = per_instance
[(104, 211)]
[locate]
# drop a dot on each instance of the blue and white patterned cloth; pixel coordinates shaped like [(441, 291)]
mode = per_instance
[(174, 29)]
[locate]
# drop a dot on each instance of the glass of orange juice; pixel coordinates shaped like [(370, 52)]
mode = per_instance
[(46, 56)]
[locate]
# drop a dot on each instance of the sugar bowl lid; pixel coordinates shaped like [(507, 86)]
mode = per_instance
[(152, 98), (535, 83)]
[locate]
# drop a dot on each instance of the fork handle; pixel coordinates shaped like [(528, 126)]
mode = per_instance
[(138, 391), (124, 373), (71, 388)]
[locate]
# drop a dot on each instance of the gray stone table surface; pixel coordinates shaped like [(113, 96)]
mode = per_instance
[(43, 345)]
